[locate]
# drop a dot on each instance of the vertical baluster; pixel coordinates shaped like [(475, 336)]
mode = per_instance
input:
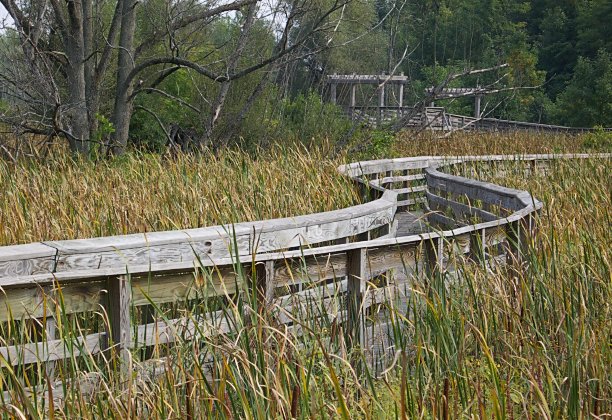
[(118, 308), (356, 287)]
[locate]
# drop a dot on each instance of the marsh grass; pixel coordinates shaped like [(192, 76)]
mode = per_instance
[(495, 343), (483, 143), (66, 198)]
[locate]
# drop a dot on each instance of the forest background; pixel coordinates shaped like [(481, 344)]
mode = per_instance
[(105, 76)]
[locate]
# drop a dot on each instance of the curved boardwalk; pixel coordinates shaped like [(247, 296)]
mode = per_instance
[(416, 218)]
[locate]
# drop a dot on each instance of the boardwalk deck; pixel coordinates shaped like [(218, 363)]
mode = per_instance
[(411, 223)]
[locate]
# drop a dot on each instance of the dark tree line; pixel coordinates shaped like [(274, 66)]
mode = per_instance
[(101, 73)]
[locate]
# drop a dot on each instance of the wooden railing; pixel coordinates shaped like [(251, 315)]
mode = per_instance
[(487, 223), (437, 119)]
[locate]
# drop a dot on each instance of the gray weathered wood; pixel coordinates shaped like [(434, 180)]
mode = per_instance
[(356, 287), (34, 258), (460, 210), (51, 350), (119, 305)]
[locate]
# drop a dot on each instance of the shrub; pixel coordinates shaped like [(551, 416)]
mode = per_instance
[(599, 140)]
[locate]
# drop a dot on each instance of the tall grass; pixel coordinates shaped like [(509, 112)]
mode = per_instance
[(67, 198), (491, 344), (483, 143)]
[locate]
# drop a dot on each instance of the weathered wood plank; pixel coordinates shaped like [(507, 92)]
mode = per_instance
[(323, 267), (178, 287), (394, 179), (410, 190), (26, 252), (34, 302), (19, 260), (460, 210), (326, 231), (391, 258), (411, 201), (356, 287), (475, 190), (118, 307), (164, 332), (51, 350)]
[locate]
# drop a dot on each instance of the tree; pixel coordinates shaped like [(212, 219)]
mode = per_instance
[(585, 102), (61, 76)]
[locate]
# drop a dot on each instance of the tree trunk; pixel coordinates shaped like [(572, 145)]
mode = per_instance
[(78, 129), (231, 68), (122, 112), (91, 90)]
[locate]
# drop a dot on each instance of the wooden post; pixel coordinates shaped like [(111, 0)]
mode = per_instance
[(432, 103), (332, 92), (50, 334), (353, 99), (118, 307), (381, 103), (434, 256), (401, 97), (147, 316), (356, 287), (477, 99), (265, 283), (477, 245), (515, 238)]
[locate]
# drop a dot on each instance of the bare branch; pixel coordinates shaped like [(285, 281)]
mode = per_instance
[(167, 95), (189, 19)]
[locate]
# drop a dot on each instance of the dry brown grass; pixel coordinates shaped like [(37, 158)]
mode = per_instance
[(534, 345), (64, 198), (465, 143)]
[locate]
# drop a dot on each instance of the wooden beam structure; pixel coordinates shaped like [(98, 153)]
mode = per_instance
[(366, 79), (448, 93), (383, 82)]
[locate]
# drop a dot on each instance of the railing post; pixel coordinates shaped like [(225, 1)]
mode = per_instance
[(264, 283), (381, 104), (50, 334), (515, 240), (477, 245), (118, 307), (401, 97), (332, 93), (434, 256), (356, 287), (353, 99)]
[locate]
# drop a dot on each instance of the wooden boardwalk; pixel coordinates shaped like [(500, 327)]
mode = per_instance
[(351, 264), (411, 223)]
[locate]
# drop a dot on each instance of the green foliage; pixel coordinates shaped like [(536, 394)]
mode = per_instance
[(101, 136), (600, 140), (145, 130), (586, 99), (378, 144), (305, 119), (593, 27), (309, 117)]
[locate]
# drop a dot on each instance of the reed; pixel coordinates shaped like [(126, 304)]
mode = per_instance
[(66, 198), (490, 344)]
